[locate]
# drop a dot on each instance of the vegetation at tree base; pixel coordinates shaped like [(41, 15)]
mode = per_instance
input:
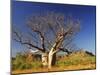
[(27, 63), (76, 58)]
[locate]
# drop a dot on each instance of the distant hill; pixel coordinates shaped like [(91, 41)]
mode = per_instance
[(80, 57), (78, 53), (81, 53)]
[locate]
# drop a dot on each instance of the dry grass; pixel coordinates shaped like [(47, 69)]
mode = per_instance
[(65, 68), (79, 61)]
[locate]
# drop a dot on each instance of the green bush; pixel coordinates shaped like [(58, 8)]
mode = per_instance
[(76, 61), (25, 66), (20, 62), (36, 64)]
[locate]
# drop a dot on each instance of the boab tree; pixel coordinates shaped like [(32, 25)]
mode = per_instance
[(50, 33)]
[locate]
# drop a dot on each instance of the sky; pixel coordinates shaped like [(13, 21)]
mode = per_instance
[(85, 39)]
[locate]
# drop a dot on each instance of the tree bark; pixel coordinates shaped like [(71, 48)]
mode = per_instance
[(51, 59), (54, 59), (45, 59)]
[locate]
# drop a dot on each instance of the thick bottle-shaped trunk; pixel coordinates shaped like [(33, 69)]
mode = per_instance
[(44, 59)]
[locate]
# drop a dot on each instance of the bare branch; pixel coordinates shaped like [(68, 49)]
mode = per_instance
[(65, 50), (20, 40), (53, 29), (41, 38)]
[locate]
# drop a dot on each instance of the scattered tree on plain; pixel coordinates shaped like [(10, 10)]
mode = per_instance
[(49, 33)]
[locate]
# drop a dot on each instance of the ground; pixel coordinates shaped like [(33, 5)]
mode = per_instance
[(76, 61)]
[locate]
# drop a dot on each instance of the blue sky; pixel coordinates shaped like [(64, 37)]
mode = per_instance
[(84, 39)]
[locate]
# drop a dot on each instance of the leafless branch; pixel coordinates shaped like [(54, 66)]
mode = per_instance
[(52, 29), (20, 40)]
